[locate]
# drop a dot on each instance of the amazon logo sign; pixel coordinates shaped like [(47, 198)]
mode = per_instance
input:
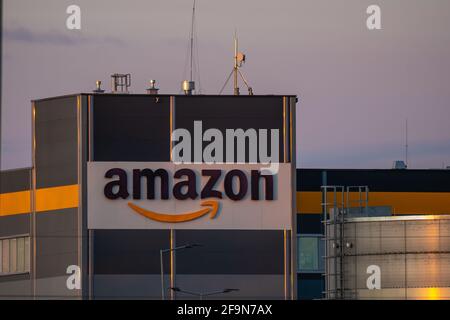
[(186, 186), (235, 187), (153, 194)]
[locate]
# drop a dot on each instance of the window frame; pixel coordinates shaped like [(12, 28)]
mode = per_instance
[(320, 253), (16, 238)]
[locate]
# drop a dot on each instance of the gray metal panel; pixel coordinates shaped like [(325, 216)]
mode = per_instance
[(251, 286), (131, 128), (444, 231), (231, 252), (392, 270), (83, 245), (55, 288), (422, 236), (56, 142), (405, 293), (126, 286), (129, 251), (402, 271), (392, 237), (221, 112), (56, 243), (368, 238), (412, 255), (428, 270), (14, 225), (15, 180), (15, 287)]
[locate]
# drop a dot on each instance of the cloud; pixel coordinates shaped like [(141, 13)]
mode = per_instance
[(72, 38)]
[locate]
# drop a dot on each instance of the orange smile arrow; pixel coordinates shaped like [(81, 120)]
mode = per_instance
[(212, 206)]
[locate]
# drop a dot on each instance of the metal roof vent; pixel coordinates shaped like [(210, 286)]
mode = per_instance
[(98, 87), (120, 83), (188, 87), (152, 89), (399, 164)]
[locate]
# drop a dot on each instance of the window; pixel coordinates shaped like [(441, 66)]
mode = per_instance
[(310, 253), (14, 255)]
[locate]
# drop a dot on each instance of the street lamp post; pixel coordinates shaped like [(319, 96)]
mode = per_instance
[(201, 295), (161, 254)]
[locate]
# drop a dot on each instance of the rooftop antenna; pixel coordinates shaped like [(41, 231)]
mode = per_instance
[(189, 85), (236, 64), (239, 60), (192, 40)]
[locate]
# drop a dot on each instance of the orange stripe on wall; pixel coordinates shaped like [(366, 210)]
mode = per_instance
[(57, 198), (15, 203), (47, 199), (401, 202), (309, 202)]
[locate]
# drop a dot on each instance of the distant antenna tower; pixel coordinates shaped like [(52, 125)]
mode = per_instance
[(239, 60), (406, 142)]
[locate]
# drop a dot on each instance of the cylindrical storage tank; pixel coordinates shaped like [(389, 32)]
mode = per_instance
[(401, 257)]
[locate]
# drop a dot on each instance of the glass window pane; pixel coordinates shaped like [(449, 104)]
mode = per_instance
[(308, 253), (13, 255), (310, 288), (27, 254), (5, 254), (20, 254)]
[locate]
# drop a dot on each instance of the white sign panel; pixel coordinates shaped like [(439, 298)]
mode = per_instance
[(163, 195)]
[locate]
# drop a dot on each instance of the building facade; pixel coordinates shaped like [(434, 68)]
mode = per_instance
[(84, 241)]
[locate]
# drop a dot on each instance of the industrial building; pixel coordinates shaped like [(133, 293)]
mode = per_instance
[(64, 234), (352, 220)]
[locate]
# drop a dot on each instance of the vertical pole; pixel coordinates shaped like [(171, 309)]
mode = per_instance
[(285, 280), (292, 157), (172, 263), (285, 142), (406, 260), (90, 154), (91, 265), (335, 226), (33, 203), (162, 273), (80, 196), (171, 124), (236, 88), (342, 244), (192, 38)]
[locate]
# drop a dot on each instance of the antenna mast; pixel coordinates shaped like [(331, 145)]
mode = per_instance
[(235, 69), (192, 40), (239, 60), (188, 86)]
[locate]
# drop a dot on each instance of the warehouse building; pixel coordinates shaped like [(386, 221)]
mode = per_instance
[(82, 223)]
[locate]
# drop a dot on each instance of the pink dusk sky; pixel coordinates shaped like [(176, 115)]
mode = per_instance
[(356, 87)]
